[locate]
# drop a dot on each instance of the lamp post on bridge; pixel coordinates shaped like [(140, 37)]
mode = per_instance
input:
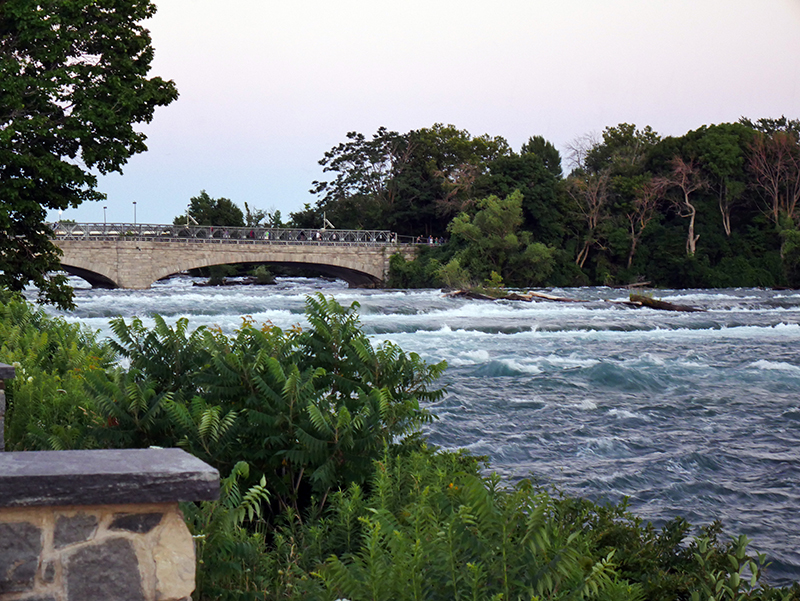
[(134, 212), (104, 216)]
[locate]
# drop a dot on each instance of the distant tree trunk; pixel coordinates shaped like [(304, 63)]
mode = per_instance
[(725, 208), (590, 194), (691, 241), (775, 163), (644, 207), (686, 176), (458, 184)]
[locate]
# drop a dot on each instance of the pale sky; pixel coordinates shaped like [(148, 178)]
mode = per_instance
[(266, 87)]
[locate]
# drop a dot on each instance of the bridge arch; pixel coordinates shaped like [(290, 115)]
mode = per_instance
[(97, 280)]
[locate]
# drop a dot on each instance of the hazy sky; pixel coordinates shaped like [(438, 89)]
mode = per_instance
[(266, 87)]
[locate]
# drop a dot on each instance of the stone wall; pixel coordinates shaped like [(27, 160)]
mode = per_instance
[(108, 552), (99, 525)]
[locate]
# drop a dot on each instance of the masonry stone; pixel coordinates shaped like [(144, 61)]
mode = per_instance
[(20, 546), (136, 522), (174, 574), (74, 529), (48, 571), (107, 572), (107, 476)]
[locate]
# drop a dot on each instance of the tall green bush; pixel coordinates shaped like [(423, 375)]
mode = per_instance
[(310, 409), (47, 404)]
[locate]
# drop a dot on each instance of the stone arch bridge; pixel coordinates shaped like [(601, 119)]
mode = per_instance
[(135, 256)]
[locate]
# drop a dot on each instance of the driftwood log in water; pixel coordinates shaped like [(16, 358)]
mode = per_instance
[(515, 296), (557, 299), (646, 301), (470, 294), (636, 301)]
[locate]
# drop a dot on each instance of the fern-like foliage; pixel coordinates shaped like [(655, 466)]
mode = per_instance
[(131, 410), (168, 356), (226, 550), (449, 534)]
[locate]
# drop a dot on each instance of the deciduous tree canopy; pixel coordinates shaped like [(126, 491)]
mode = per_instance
[(205, 210), (73, 75)]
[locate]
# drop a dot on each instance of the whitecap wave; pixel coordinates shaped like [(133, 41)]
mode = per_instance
[(625, 414), (775, 366)]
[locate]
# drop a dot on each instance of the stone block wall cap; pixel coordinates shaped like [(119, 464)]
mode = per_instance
[(104, 477), (6, 372)]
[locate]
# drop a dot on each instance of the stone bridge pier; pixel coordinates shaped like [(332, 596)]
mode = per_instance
[(137, 263)]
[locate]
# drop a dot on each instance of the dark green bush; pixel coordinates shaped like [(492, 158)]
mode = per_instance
[(310, 409), (47, 403)]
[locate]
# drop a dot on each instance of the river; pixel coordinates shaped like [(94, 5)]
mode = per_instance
[(688, 414)]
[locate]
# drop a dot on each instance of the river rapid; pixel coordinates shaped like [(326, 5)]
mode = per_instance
[(687, 414)]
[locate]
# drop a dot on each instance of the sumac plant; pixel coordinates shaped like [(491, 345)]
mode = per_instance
[(310, 409)]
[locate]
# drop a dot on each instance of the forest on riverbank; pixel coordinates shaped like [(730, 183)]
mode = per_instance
[(716, 207)]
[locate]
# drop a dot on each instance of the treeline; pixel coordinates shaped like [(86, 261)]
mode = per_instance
[(715, 207), (329, 490)]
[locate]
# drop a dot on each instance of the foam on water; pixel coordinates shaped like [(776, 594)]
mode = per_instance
[(470, 358), (624, 414), (775, 366)]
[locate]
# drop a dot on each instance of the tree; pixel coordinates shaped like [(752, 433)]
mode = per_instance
[(364, 187), (579, 148), (546, 152), (541, 206), (721, 153), (642, 212), (74, 80), (445, 166), (774, 161), (770, 125), (213, 211), (412, 183), (494, 242), (589, 194), (623, 149), (686, 176), (255, 217)]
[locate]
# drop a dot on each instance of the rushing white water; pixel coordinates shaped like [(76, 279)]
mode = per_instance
[(689, 414)]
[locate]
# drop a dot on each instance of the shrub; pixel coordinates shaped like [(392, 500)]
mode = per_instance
[(47, 404), (309, 409)]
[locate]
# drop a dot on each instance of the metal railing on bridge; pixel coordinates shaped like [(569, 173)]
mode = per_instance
[(224, 235)]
